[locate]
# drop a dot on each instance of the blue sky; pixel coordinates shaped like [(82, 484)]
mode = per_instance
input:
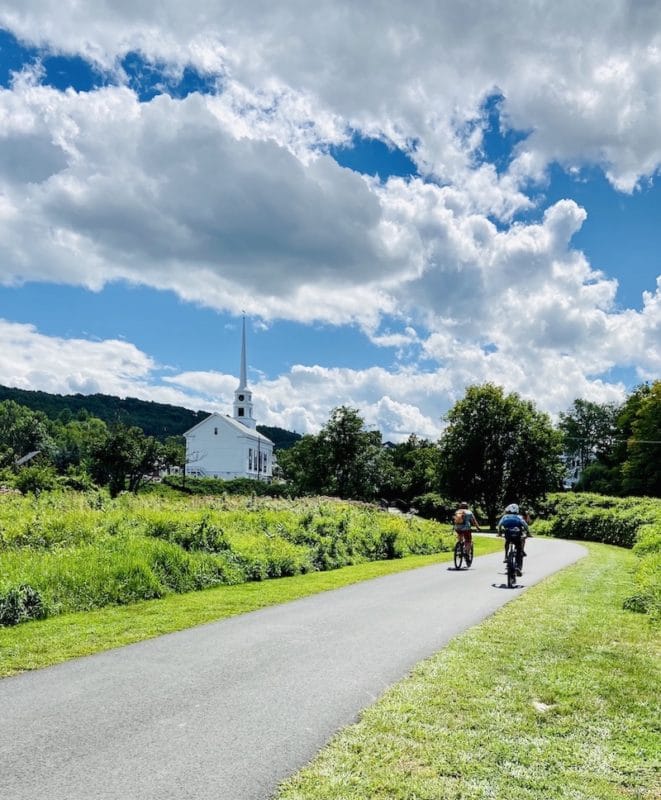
[(395, 229)]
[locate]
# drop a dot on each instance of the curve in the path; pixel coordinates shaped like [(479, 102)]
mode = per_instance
[(229, 709)]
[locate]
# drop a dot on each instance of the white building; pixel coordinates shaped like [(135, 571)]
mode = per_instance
[(573, 469), (230, 447)]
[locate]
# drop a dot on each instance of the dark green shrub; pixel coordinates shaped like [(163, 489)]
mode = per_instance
[(390, 546), (20, 604), (37, 478), (77, 479), (434, 506)]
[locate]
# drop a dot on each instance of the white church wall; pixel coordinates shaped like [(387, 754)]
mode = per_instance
[(215, 448)]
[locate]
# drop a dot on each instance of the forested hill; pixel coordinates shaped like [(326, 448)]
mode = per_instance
[(281, 438), (156, 419)]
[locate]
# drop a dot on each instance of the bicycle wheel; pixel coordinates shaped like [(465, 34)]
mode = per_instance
[(519, 562), (458, 555), (468, 554), (511, 568)]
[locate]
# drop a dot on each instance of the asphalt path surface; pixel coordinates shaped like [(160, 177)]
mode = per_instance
[(229, 709)]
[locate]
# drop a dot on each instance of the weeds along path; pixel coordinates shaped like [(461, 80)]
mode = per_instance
[(229, 709)]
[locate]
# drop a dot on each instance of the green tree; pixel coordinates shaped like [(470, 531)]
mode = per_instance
[(498, 449), (352, 455), (589, 430), (174, 451), (76, 441), (22, 431), (124, 457), (303, 465), (641, 473), (344, 459), (410, 469)]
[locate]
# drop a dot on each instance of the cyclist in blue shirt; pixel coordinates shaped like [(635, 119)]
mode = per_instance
[(515, 529)]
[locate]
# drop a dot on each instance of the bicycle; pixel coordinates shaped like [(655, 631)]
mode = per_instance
[(513, 559), (463, 552)]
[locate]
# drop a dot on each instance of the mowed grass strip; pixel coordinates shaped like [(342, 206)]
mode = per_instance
[(42, 643), (555, 696)]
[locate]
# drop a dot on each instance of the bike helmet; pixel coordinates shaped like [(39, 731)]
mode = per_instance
[(512, 508)]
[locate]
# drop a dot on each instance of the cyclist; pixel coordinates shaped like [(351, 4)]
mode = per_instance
[(464, 521), (515, 529)]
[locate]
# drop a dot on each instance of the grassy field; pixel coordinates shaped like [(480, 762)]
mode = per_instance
[(555, 696), (44, 642)]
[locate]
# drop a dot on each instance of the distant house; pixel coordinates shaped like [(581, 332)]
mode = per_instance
[(230, 447), (573, 469)]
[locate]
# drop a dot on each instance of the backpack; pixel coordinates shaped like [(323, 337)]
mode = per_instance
[(459, 516)]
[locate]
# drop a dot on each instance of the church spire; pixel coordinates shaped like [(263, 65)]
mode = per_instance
[(243, 380), (243, 395)]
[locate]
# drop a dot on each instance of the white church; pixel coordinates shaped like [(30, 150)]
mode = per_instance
[(230, 447)]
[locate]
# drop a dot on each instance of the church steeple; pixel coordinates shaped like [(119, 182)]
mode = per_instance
[(243, 380), (243, 395)]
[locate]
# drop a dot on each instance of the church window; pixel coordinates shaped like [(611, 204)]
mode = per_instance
[(241, 398), (241, 410), (215, 431), (250, 459)]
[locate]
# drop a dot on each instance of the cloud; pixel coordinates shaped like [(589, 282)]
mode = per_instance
[(397, 401), (231, 201), (582, 78), (162, 194), (29, 359)]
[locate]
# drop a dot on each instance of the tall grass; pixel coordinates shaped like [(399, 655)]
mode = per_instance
[(64, 552)]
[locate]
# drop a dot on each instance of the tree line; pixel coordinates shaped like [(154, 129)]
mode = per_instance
[(617, 447), (496, 448)]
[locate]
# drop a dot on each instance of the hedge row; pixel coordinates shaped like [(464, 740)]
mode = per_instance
[(597, 518), (624, 521)]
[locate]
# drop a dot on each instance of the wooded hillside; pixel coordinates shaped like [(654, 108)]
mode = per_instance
[(156, 419)]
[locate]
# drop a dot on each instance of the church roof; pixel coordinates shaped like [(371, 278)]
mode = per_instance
[(233, 423)]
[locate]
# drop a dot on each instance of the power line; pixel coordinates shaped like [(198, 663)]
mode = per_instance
[(611, 441)]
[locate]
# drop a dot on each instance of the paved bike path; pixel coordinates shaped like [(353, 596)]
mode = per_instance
[(228, 709)]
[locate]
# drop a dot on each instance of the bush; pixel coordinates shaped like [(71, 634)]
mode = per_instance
[(627, 522), (599, 518), (20, 604), (35, 479), (541, 527), (434, 506)]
